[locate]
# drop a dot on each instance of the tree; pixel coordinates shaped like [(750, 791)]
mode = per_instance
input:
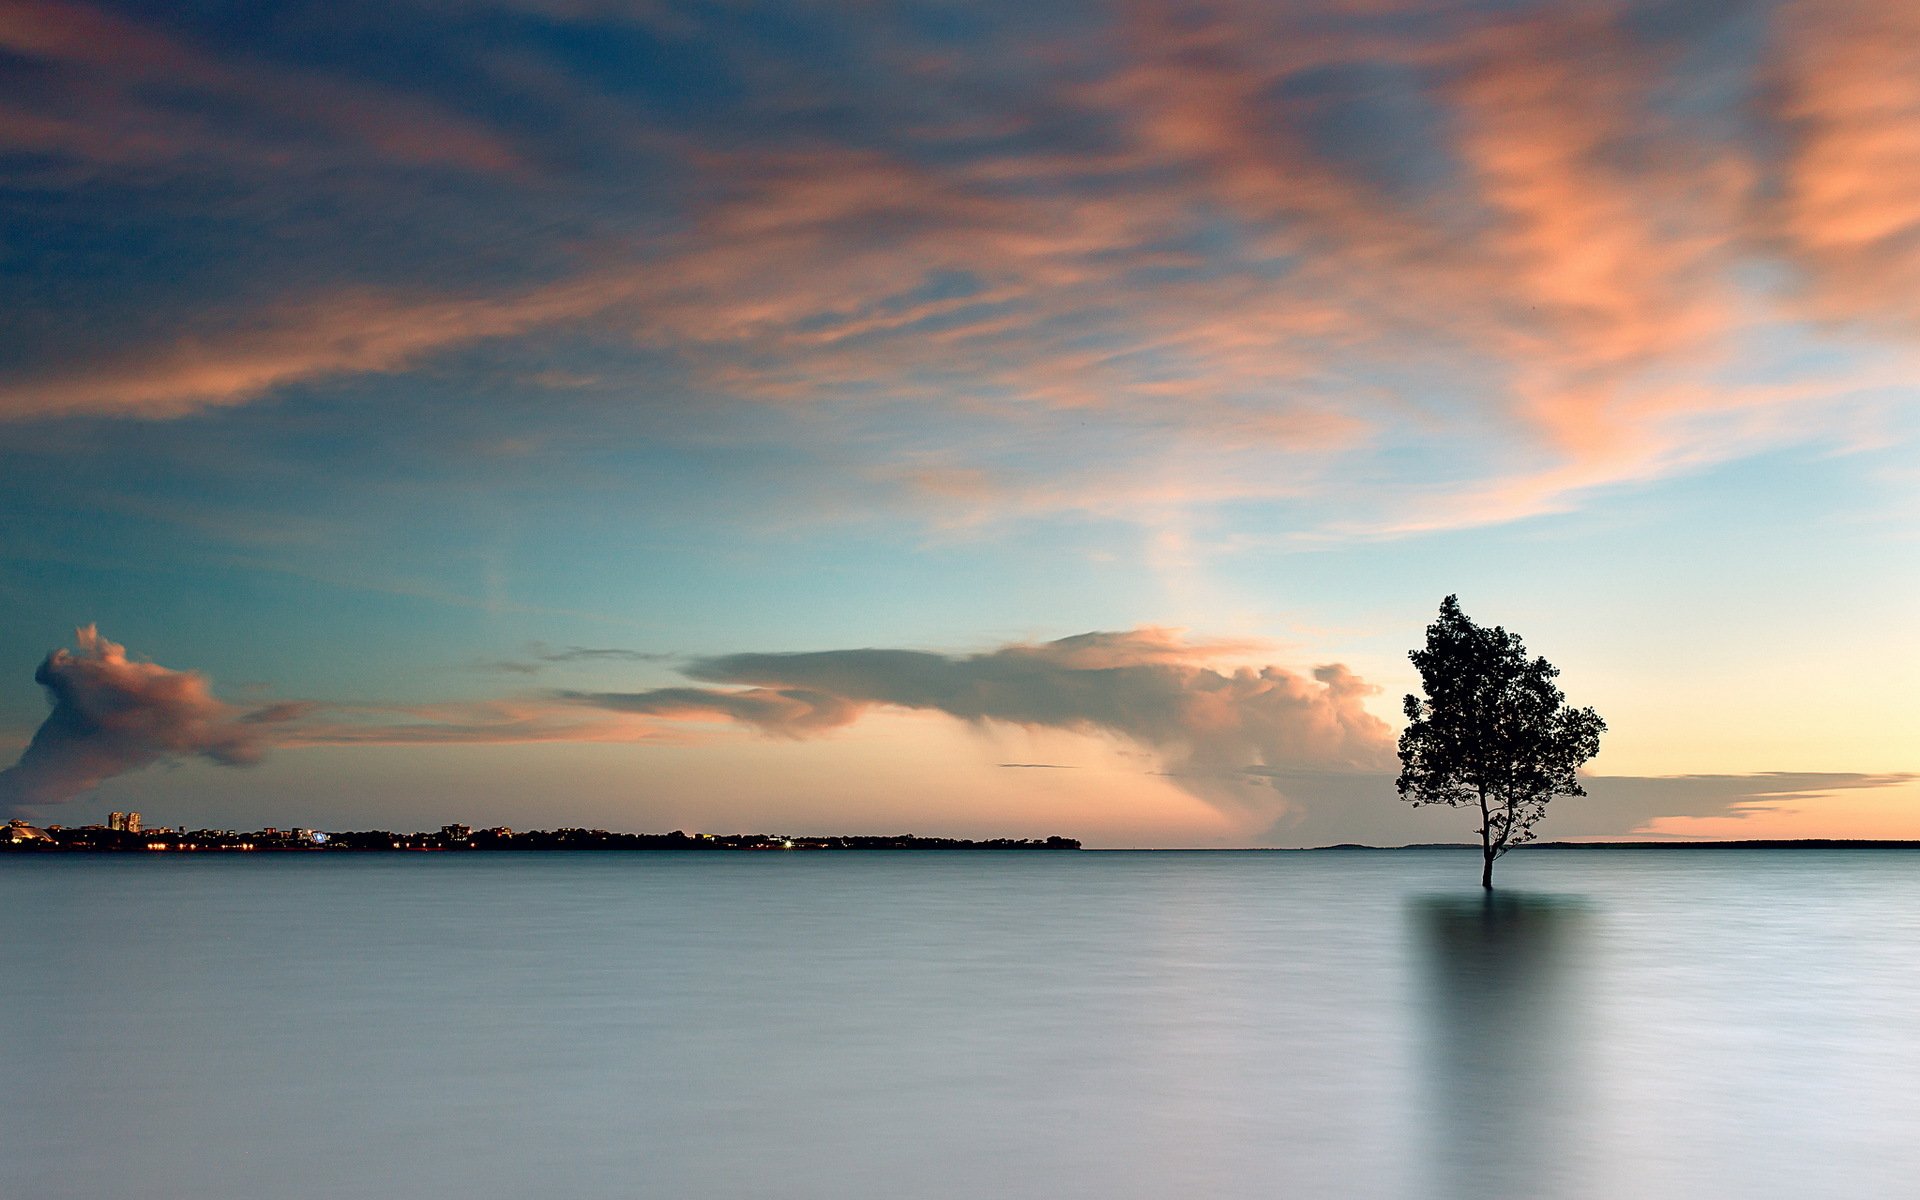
[(1493, 731)]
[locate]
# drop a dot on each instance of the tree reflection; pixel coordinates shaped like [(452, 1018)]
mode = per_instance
[(1504, 1043)]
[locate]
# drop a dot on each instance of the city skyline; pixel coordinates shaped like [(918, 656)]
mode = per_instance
[(988, 421)]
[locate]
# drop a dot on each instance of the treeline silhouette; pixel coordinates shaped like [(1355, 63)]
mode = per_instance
[(460, 838)]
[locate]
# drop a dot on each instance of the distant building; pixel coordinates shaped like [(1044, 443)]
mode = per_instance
[(456, 833), (125, 822), (19, 831)]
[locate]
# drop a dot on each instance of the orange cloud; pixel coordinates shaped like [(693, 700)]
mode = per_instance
[(1599, 279), (1207, 291), (1848, 213), (250, 354)]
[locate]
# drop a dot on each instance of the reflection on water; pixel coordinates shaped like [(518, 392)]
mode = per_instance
[(1504, 1042), (961, 1027)]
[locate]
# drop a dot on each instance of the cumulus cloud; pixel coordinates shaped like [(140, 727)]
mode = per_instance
[(112, 714), (1212, 728)]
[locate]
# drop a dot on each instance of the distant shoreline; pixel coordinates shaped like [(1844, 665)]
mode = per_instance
[(20, 838), (546, 842), (1748, 844)]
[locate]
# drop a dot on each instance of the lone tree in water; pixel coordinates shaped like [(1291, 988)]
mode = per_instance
[(1493, 731)]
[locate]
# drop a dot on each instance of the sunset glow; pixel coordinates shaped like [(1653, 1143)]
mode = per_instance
[(967, 419)]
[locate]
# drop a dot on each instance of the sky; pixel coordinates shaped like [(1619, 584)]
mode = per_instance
[(970, 419)]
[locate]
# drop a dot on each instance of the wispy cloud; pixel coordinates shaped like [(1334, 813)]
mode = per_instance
[(1428, 267), (243, 355), (117, 91), (540, 656), (1846, 96), (508, 721), (505, 666), (1330, 808), (563, 654)]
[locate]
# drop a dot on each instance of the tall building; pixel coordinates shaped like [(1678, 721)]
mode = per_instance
[(125, 822)]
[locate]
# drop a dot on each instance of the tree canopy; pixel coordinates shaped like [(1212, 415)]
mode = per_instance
[(1493, 731)]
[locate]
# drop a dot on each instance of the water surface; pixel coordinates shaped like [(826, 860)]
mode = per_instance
[(1673, 1023)]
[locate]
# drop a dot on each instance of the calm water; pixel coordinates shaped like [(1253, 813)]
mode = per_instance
[(1626, 1024)]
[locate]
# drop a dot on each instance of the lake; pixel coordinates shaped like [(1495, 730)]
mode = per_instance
[(1619, 1023)]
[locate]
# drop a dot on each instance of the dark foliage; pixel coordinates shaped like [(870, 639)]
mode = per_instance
[(1493, 731)]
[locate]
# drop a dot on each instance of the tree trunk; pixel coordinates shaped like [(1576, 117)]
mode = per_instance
[(1486, 843)]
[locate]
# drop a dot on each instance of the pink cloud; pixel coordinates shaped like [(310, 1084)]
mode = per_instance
[(1848, 213), (1582, 259), (251, 353), (112, 714)]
